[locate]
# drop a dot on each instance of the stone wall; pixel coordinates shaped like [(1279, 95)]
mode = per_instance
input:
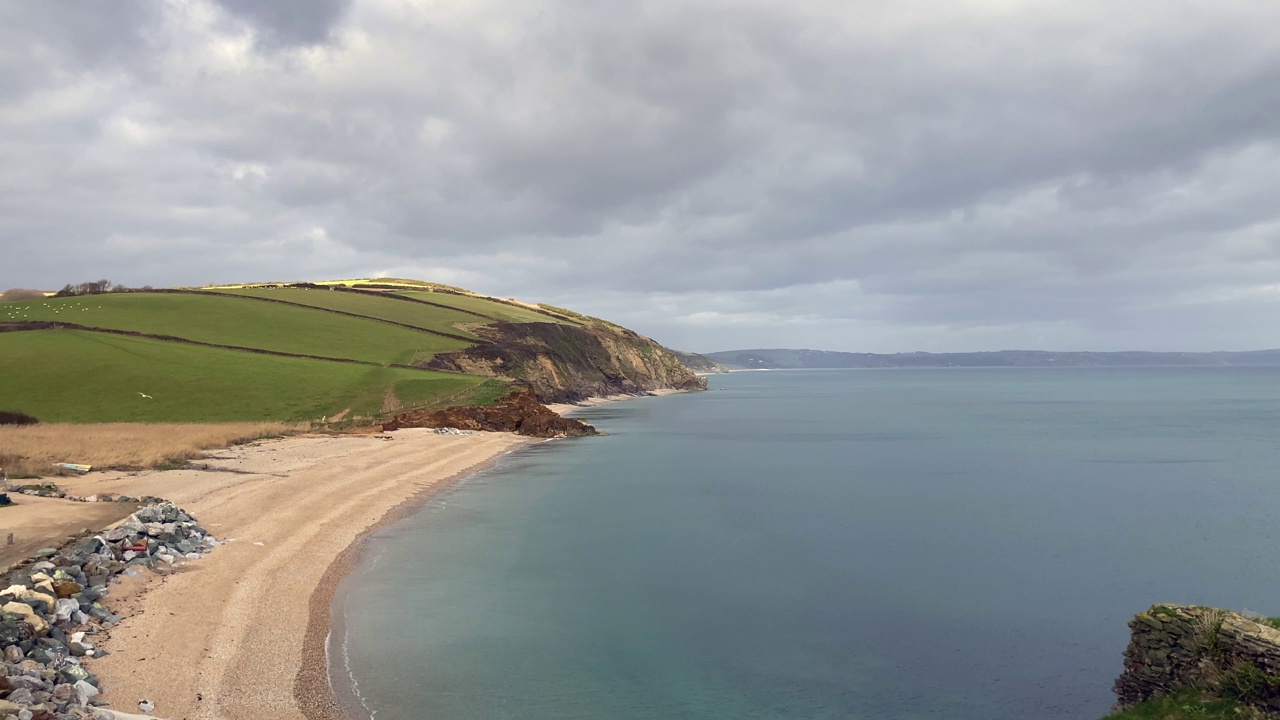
[(1225, 653)]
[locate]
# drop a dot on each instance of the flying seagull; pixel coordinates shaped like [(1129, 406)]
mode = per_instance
[(146, 706), (146, 396)]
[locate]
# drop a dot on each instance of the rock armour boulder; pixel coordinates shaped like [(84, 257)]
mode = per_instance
[(50, 610)]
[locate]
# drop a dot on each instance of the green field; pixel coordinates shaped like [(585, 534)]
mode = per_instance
[(82, 376), (241, 322), (70, 375), (370, 305), (497, 310)]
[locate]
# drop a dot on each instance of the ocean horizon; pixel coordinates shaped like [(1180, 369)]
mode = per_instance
[(905, 543)]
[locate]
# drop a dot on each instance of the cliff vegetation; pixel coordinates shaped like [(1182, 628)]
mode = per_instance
[(568, 363), (1191, 661)]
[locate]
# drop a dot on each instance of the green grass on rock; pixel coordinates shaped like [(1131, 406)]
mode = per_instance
[(1188, 704)]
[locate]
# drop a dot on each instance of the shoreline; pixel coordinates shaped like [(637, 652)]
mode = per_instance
[(246, 632), (313, 686), (241, 634), (316, 676)]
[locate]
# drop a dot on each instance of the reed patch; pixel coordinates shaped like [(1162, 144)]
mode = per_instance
[(33, 450)]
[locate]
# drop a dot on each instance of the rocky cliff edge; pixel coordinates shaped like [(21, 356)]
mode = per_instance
[(1221, 653), (570, 363)]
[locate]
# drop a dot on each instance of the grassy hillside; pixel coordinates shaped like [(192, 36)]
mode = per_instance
[(302, 352), (489, 308), (241, 322), (79, 376), (383, 307)]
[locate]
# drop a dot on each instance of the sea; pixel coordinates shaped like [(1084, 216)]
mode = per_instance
[(887, 544)]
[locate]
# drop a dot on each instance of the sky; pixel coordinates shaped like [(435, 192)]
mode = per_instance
[(717, 174)]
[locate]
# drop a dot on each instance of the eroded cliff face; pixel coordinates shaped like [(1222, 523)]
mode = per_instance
[(519, 412), (568, 363)]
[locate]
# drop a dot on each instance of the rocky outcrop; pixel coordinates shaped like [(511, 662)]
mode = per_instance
[(1225, 654), (52, 617), (570, 363), (518, 412), (698, 363)]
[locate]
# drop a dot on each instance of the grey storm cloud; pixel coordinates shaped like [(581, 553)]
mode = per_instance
[(289, 22), (1059, 174)]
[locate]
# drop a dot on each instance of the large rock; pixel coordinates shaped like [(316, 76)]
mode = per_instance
[(66, 588), (518, 412), (29, 616)]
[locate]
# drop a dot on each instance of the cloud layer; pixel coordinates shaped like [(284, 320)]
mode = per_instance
[(1072, 174)]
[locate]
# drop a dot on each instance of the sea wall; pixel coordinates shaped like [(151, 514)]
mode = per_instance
[(1224, 653)]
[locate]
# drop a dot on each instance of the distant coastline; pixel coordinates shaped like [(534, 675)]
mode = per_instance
[(794, 359)]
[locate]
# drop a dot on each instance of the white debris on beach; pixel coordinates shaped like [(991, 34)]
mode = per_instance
[(453, 431)]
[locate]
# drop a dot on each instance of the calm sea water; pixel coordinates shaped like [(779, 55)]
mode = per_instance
[(961, 544)]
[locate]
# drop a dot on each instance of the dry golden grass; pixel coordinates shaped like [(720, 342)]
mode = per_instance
[(33, 449)]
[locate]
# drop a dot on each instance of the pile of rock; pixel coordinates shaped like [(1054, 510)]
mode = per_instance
[(50, 490), (41, 490), (51, 610)]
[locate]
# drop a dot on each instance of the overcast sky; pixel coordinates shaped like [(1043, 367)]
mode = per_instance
[(718, 174)]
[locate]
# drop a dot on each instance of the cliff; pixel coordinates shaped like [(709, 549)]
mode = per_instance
[(1219, 653), (698, 363), (569, 363)]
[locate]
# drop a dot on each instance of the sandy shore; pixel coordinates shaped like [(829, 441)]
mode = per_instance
[(240, 635), (37, 522)]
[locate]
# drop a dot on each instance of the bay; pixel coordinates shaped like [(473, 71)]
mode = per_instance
[(826, 544)]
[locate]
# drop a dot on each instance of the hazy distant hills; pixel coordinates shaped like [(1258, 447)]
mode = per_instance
[(791, 359)]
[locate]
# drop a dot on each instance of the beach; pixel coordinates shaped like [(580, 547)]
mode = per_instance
[(241, 634)]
